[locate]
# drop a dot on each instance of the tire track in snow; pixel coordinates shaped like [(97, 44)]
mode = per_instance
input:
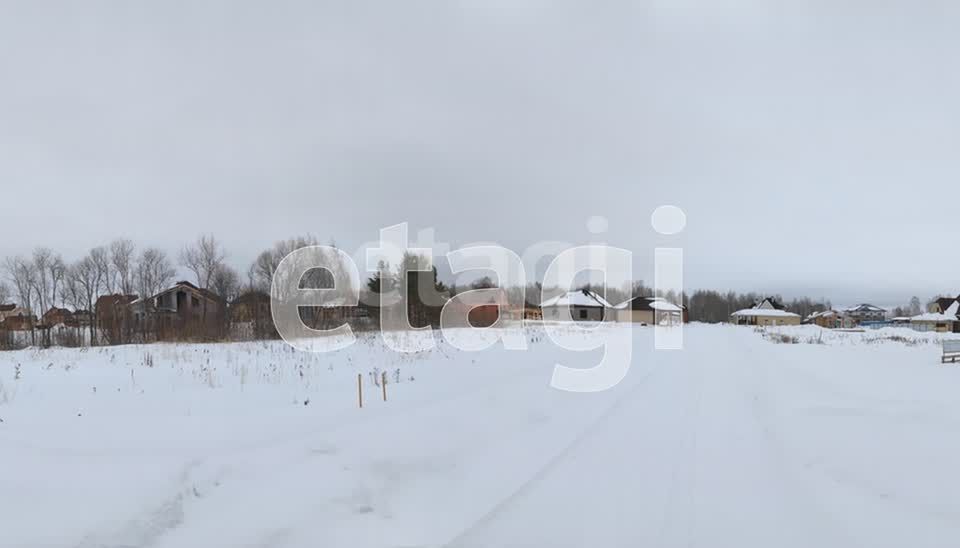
[(684, 456), (149, 527), (862, 486), (757, 389), (551, 465), (497, 387)]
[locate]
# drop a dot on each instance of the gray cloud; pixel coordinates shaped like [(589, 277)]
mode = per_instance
[(812, 145)]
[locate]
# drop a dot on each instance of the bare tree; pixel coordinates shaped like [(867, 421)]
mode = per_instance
[(121, 259), (42, 259), (203, 258), (48, 270), (153, 272), (83, 289), (265, 266), (226, 283), (100, 258), (22, 275), (915, 307), (5, 341), (56, 271), (95, 275)]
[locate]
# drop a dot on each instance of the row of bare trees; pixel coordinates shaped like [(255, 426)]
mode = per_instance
[(44, 280)]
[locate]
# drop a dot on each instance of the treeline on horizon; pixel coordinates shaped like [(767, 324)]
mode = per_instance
[(44, 280)]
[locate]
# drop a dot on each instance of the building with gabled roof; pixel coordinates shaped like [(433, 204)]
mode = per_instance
[(940, 322), (11, 310), (581, 305), (941, 304), (865, 313), (766, 312), (827, 318), (56, 316), (181, 310), (113, 316), (649, 311), (764, 317), (768, 303), (18, 319)]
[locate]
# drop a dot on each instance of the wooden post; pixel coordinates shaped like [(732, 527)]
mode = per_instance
[(383, 382), (360, 389)]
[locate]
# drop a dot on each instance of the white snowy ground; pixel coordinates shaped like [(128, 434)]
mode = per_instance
[(735, 441)]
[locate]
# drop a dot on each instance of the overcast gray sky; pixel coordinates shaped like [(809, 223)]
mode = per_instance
[(813, 145)]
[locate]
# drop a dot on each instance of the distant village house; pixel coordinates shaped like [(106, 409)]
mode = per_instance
[(582, 305), (765, 313), (650, 311)]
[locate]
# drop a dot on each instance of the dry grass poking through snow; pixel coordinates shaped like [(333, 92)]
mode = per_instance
[(811, 334)]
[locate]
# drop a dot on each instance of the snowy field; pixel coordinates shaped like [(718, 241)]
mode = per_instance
[(795, 437)]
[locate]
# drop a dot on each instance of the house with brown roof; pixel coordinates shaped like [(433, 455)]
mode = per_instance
[(80, 318), (528, 311), (250, 306), (12, 310), (831, 319), (56, 316), (113, 316), (482, 310), (18, 319), (942, 304), (943, 316), (251, 316), (181, 310)]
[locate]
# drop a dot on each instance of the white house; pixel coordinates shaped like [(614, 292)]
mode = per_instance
[(582, 305)]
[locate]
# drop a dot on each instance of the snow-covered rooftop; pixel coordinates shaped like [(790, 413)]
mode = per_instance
[(948, 315), (770, 312), (576, 298), (664, 306), (864, 308), (656, 303), (934, 317)]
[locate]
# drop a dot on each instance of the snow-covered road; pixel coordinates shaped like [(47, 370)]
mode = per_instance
[(733, 441), (685, 457)]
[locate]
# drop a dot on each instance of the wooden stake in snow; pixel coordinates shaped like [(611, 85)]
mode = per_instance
[(360, 389), (383, 382)]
